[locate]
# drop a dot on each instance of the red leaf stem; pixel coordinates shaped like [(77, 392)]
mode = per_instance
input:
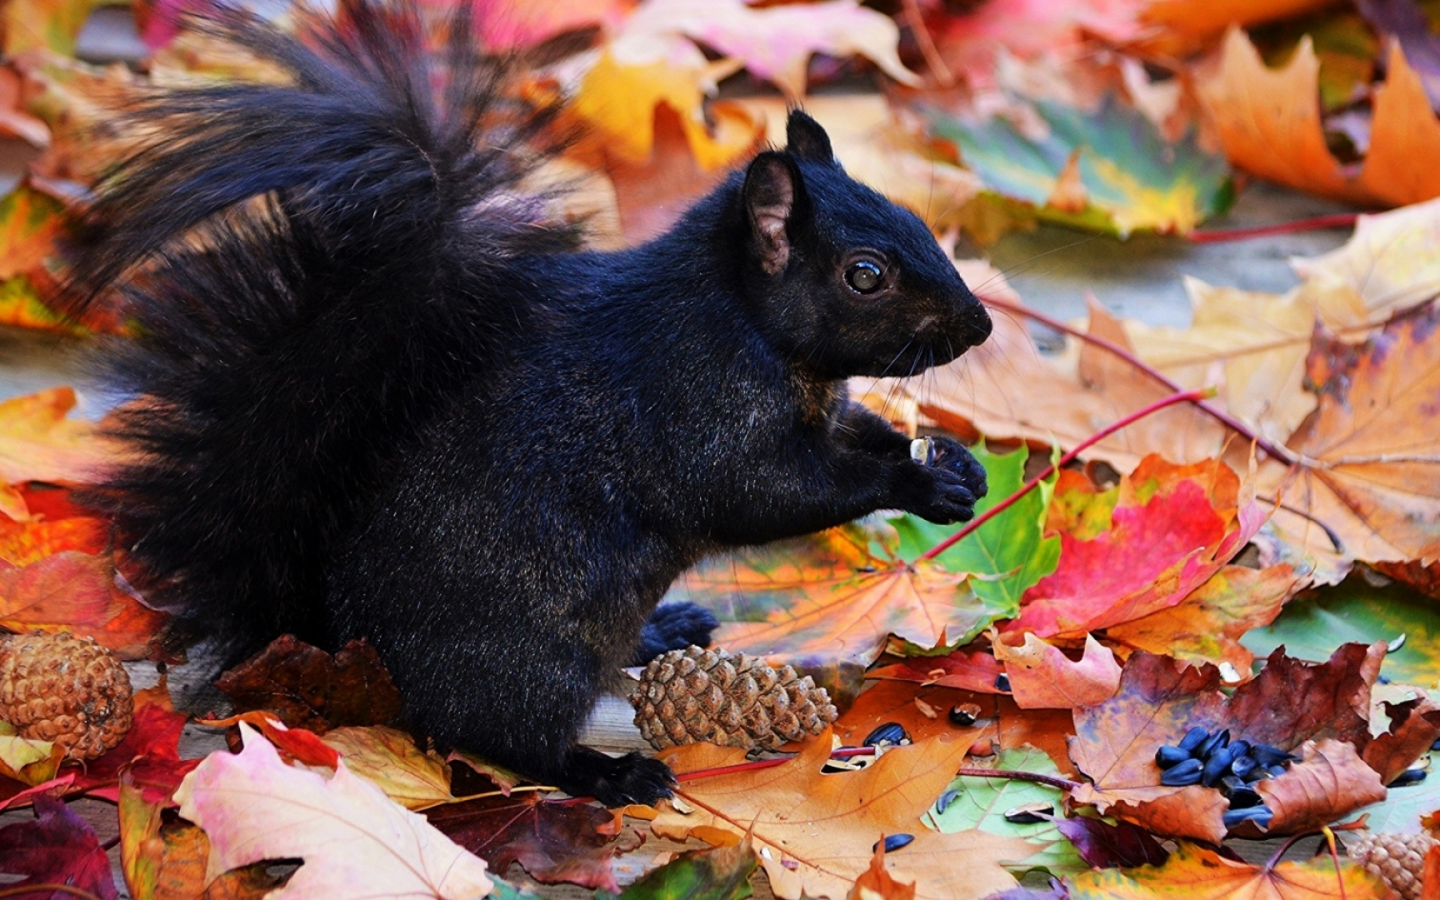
[(1317, 223), (1224, 418), (1194, 396)]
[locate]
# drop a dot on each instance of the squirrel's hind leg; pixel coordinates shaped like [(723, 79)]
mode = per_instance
[(615, 780)]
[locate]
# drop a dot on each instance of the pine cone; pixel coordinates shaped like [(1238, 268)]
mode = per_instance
[(1399, 859), (692, 695), (65, 689)]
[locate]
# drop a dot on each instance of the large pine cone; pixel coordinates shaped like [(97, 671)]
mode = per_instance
[(1399, 859), (65, 689), (692, 695)]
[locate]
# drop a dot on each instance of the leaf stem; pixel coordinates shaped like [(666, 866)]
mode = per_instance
[(1224, 418), (1054, 781), (1193, 396), (1315, 223)]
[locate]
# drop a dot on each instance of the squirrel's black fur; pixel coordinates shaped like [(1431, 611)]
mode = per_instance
[(378, 396)]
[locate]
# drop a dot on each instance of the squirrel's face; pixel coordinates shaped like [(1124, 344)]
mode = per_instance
[(844, 280)]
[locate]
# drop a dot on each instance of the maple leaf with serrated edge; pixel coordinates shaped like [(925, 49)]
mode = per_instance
[(1205, 873), (1171, 530), (1042, 676), (352, 838), (817, 832)]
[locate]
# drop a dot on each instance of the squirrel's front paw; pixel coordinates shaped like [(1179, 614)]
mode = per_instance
[(944, 490), (952, 456)]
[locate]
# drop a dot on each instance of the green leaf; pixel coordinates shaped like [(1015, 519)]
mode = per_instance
[(983, 802), (1010, 552), (1134, 180), (1313, 624), (720, 874)]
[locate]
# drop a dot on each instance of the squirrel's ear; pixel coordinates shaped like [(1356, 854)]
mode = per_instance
[(772, 184), (806, 139)]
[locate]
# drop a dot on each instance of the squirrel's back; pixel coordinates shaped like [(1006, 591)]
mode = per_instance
[(310, 269)]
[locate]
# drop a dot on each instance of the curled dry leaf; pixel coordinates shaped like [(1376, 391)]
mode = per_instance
[(305, 687), (1328, 782), (816, 832), (352, 838)]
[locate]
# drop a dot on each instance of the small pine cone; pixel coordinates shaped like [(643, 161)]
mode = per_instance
[(1399, 859), (694, 695), (65, 689)]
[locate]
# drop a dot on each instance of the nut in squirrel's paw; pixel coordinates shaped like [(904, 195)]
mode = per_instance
[(922, 451)]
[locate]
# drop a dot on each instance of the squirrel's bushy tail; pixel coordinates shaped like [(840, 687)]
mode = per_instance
[(310, 268)]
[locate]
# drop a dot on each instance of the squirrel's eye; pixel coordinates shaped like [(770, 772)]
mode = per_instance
[(864, 277)]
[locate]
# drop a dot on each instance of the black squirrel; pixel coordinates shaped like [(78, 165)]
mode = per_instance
[(377, 394)]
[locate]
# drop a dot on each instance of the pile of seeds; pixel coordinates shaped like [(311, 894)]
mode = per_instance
[(1233, 767)]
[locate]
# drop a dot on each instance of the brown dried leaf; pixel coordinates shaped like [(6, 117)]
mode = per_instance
[(308, 688)]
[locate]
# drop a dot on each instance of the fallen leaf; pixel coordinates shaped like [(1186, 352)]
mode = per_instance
[(1316, 622), (826, 825), (296, 745), (776, 42), (1158, 702), (1172, 528), (1329, 781), (1042, 676), (49, 24), (25, 542), (39, 443), (413, 778), (1006, 389), (28, 761), (305, 687), (1371, 467), (875, 883), (1118, 173), (1207, 625), (1405, 22), (1106, 846), (554, 842), (76, 592), (1205, 873), (719, 874), (1413, 727), (984, 804), (976, 671), (1269, 122), (56, 848), (166, 860), (352, 838), (837, 595), (505, 25), (1011, 550), (1386, 266)]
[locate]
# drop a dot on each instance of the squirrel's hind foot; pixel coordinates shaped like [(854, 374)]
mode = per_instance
[(616, 781), (674, 626)]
